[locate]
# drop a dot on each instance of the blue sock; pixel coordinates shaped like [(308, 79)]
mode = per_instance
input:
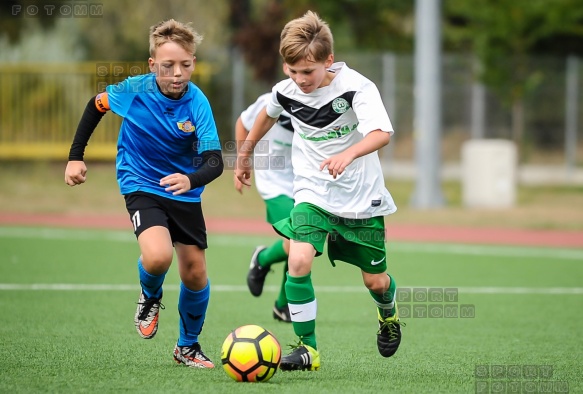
[(192, 307), (151, 284)]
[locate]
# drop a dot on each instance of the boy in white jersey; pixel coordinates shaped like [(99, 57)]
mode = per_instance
[(339, 122), (274, 181)]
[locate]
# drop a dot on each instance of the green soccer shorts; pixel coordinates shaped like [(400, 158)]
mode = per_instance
[(278, 208), (360, 242)]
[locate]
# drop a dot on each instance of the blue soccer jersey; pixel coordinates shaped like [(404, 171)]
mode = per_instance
[(160, 136)]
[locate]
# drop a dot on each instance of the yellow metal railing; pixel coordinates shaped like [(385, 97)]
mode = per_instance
[(40, 107)]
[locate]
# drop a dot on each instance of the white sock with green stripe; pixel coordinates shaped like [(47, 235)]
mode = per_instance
[(386, 302)]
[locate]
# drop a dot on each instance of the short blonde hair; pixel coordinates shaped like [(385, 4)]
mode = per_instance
[(173, 31), (306, 38)]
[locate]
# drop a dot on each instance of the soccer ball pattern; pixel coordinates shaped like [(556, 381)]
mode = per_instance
[(250, 354)]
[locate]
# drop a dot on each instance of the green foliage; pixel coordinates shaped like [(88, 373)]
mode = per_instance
[(364, 24), (56, 44), (121, 34), (502, 35)]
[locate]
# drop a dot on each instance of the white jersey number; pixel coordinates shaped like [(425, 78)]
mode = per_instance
[(136, 220)]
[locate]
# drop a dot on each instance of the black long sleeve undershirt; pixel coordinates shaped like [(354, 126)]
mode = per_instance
[(211, 168), (89, 121)]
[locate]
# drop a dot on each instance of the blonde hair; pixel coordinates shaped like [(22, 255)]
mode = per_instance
[(306, 38), (173, 31)]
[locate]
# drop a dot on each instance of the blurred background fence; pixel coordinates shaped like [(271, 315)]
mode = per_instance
[(41, 104)]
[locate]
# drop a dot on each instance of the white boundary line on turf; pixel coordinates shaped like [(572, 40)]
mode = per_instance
[(323, 289), (245, 240)]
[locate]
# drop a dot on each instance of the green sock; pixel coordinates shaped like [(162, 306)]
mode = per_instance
[(384, 302), (302, 303), (273, 254), (282, 299)]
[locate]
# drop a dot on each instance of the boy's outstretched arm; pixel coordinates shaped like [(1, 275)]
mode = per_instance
[(373, 141), (262, 124), (75, 172)]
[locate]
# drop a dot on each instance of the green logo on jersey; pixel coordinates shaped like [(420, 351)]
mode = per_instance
[(340, 105), (338, 132)]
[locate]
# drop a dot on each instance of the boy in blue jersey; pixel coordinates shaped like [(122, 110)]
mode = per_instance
[(168, 149)]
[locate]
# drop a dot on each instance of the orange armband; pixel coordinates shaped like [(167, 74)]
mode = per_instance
[(102, 102)]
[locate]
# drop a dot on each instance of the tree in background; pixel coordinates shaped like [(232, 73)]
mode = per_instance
[(121, 33), (12, 21), (256, 35), (504, 34), (357, 24), (386, 25)]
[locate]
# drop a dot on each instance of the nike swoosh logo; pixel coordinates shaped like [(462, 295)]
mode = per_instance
[(296, 313), (372, 262), (294, 110), (147, 331)]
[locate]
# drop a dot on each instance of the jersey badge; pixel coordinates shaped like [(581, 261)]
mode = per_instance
[(186, 126), (340, 105)]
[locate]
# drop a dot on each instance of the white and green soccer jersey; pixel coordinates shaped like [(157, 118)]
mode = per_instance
[(272, 156), (327, 122)]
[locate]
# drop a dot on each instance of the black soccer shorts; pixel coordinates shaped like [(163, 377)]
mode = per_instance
[(184, 220)]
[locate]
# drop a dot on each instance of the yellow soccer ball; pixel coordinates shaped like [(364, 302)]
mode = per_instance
[(250, 354)]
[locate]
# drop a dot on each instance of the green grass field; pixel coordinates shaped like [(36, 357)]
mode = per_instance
[(68, 300)]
